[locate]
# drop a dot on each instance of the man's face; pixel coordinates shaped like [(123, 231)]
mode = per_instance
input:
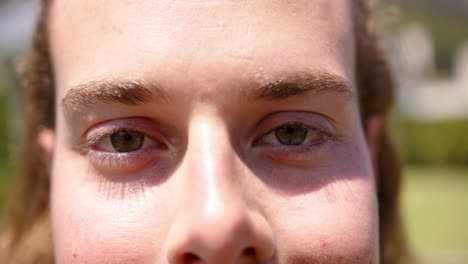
[(194, 131)]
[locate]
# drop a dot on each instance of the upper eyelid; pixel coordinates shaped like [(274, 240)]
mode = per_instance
[(279, 118), (118, 129), (143, 125), (325, 134), (296, 123), (277, 124)]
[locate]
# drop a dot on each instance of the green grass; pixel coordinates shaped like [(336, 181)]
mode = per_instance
[(435, 210)]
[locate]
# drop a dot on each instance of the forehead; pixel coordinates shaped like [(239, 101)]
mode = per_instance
[(199, 39)]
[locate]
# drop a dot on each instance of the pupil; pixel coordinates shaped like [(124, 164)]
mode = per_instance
[(291, 134), (127, 141)]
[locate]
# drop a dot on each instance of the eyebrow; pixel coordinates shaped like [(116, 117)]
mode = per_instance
[(133, 92), (265, 88), (290, 85)]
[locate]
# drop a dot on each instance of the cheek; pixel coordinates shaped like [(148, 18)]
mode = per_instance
[(335, 220), (330, 226), (93, 224)]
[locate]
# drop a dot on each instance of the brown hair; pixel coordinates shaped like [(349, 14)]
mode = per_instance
[(27, 237)]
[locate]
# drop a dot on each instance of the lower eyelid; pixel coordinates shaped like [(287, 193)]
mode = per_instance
[(124, 162), (296, 153)]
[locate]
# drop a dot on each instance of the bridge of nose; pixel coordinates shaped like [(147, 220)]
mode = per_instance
[(213, 223)]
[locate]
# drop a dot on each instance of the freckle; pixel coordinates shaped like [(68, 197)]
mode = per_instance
[(75, 255)]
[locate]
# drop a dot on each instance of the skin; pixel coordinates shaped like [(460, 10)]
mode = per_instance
[(211, 184)]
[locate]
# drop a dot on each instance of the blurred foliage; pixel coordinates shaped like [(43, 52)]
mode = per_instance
[(434, 143), (7, 141), (447, 30), (444, 142), (4, 167), (3, 126)]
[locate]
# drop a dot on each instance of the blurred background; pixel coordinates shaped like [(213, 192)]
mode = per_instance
[(427, 43)]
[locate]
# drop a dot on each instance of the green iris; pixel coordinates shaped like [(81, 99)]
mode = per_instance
[(126, 141), (291, 134)]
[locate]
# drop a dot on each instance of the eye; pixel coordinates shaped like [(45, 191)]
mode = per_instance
[(292, 135), (126, 146), (125, 141)]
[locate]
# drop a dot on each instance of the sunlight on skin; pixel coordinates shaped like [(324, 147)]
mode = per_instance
[(215, 185)]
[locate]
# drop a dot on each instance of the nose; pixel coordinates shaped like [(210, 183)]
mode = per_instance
[(214, 223)]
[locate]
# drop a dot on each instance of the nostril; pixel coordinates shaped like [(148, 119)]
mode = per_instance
[(190, 258), (249, 252)]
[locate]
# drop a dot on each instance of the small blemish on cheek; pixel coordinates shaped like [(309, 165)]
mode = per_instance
[(324, 241)]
